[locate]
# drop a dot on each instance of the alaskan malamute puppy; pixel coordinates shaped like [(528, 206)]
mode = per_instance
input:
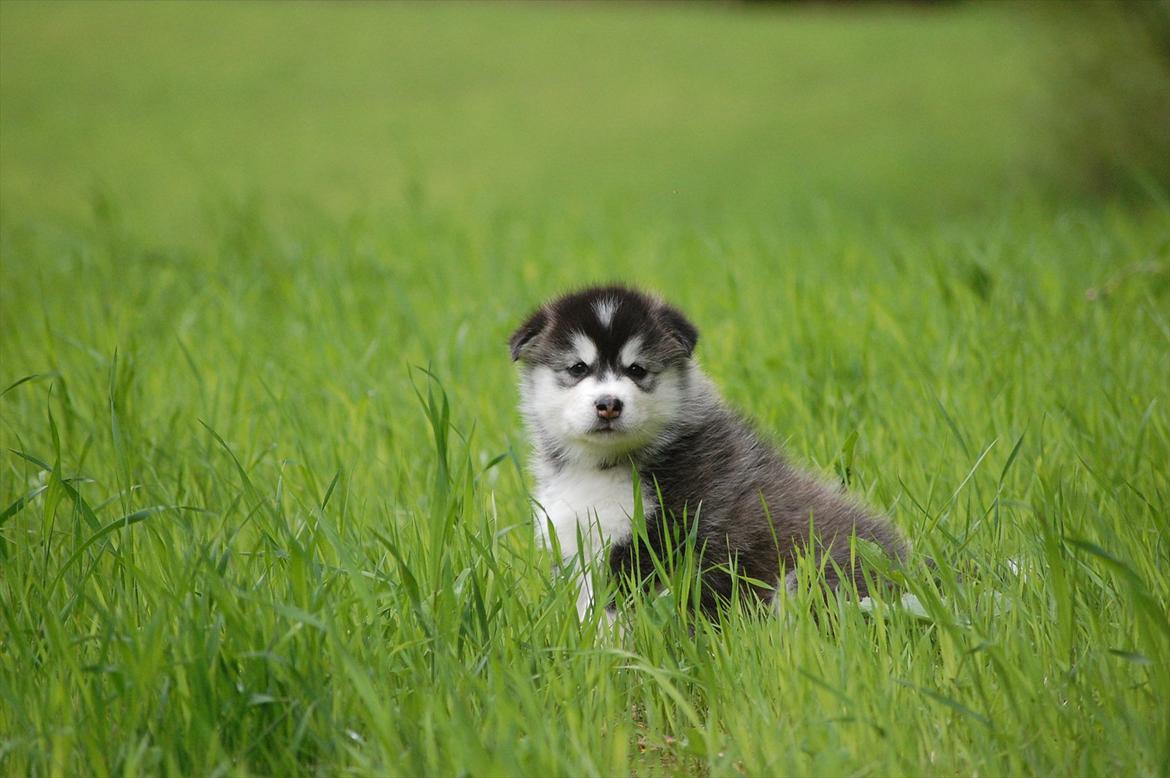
[(610, 392)]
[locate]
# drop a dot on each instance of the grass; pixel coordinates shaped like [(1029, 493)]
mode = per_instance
[(262, 490)]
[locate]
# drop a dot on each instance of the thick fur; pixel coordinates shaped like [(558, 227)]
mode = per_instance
[(748, 508)]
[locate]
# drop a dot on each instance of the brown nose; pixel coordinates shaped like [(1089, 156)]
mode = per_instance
[(608, 407)]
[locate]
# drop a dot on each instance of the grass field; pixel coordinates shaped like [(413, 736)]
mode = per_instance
[(263, 501)]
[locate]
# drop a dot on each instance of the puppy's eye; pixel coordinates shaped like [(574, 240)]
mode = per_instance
[(636, 371), (578, 370)]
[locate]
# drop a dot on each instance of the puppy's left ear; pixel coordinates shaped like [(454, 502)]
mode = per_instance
[(679, 327), (524, 334)]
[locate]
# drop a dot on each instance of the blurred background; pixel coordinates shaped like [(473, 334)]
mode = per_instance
[(912, 109)]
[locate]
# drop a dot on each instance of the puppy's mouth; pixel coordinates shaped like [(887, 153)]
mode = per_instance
[(605, 428)]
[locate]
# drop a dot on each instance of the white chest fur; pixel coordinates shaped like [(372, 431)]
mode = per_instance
[(586, 508)]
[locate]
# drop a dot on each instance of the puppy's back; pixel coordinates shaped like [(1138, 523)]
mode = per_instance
[(755, 508)]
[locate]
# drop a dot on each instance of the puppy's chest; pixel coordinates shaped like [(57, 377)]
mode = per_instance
[(591, 506)]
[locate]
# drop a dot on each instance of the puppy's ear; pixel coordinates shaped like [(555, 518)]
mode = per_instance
[(679, 327), (526, 332)]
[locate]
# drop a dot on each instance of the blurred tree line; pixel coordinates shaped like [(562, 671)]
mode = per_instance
[(1108, 91), (1103, 101)]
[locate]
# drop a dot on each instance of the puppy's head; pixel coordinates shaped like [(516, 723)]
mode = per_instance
[(604, 371)]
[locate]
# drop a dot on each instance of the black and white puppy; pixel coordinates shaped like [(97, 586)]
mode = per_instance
[(610, 392)]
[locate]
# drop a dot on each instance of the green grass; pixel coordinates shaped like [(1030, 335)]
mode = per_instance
[(243, 530)]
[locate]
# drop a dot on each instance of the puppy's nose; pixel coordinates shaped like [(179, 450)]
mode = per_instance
[(608, 407)]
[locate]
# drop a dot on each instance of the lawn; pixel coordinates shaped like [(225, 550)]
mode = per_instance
[(263, 507)]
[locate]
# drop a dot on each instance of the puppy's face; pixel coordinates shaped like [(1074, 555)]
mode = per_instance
[(603, 371)]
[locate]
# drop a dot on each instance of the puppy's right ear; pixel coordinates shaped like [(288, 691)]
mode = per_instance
[(526, 332)]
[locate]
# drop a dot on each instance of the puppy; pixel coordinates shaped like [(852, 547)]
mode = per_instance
[(610, 392)]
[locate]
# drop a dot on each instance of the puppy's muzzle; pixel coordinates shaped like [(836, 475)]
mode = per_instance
[(608, 407)]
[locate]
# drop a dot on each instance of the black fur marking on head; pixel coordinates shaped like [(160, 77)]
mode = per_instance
[(667, 336)]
